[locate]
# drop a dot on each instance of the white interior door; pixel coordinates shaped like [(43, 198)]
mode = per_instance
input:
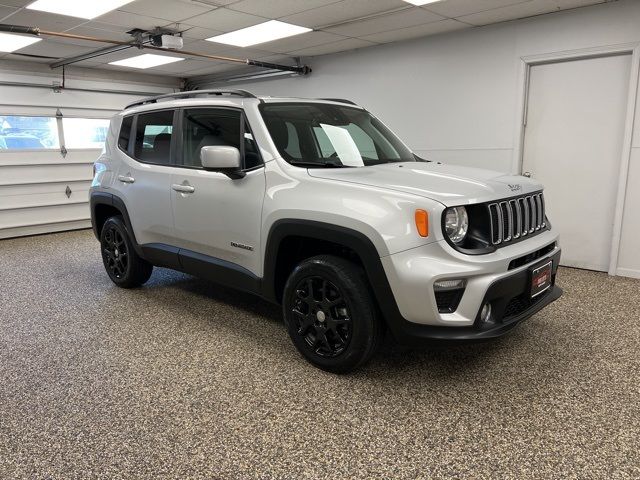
[(573, 144)]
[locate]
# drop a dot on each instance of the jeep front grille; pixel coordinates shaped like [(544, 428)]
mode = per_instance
[(516, 218)]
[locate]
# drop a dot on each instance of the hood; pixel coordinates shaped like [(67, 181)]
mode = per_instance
[(450, 185)]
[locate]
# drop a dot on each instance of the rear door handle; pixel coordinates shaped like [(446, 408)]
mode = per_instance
[(126, 179), (183, 188)]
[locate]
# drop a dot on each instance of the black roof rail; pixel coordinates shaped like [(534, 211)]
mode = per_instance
[(191, 94), (339, 100)]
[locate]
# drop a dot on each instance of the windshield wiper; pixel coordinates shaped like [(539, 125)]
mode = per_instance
[(324, 164)]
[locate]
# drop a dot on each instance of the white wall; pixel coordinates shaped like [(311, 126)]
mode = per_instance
[(33, 183), (456, 97)]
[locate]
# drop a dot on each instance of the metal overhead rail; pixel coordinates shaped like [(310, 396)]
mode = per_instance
[(191, 94), (35, 31)]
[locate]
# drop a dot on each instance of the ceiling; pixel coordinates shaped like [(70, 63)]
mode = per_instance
[(338, 25)]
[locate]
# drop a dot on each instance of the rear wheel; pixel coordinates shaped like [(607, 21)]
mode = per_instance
[(123, 265), (330, 315)]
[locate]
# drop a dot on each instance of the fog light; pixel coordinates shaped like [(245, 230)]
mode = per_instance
[(448, 294), (485, 314), (448, 284)]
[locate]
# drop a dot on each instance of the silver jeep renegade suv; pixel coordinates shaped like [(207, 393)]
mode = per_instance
[(318, 206)]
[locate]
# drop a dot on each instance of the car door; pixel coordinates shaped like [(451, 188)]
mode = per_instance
[(144, 175), (214, 215)]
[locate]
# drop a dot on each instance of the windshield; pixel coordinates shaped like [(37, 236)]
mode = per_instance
[(324, 135)]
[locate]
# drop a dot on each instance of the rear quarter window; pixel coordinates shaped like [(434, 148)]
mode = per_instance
[(125, 133)]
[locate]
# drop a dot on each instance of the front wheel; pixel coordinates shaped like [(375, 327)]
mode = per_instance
[(330, 315), (123, 265)]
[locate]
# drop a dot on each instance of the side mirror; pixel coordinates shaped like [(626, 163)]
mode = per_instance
[(222, 158)]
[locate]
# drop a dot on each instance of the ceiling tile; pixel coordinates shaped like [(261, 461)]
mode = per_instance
[(55, 49), (17, 3), (309, 39), (523, 10), (172, 10), (341, 46), (433, 28), (565, 4), (239, 52), (17, 56), (124, 19), (209, 48), (98, 33), (215, 3), (6, 11), (191, 34), (457, 8), (342, 11), (405, 18), (217, 68), (224, 20), (45, 21), (278, 8), (279, 58)]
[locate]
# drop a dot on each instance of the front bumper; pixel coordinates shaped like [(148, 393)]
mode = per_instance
[(498, 281), (409, 333)]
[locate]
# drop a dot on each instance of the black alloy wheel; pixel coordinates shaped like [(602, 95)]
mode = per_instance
[(322, 316), (114, 252)]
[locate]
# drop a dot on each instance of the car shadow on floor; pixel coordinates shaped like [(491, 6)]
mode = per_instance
[(447, 358)]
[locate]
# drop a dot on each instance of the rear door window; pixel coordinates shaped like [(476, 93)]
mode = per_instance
[(154, 132)]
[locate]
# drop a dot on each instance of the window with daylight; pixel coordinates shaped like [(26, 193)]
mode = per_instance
[(28, 133), (85, 132)]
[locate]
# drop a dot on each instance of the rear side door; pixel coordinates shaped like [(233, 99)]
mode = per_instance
[(143, 180), (214, 215)]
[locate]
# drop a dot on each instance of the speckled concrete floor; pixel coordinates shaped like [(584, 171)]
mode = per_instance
[(183, 379)]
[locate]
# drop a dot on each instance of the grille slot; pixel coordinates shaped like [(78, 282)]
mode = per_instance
[(516, 218)]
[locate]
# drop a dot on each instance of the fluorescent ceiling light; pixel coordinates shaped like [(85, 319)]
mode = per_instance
[(11, 43), (263, 32), (147, 60), (78, 8), (422, 2)]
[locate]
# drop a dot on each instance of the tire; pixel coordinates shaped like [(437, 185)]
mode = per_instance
[(330, 314), (123, 265)]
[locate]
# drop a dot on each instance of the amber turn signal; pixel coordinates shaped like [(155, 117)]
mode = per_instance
[(422, 223)]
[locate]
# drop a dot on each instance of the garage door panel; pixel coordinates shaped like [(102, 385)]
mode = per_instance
[(43, 215), (41, 158), (29, 196), (20, 175)]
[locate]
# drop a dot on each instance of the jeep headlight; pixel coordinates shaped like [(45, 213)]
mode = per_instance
[(456, 224)]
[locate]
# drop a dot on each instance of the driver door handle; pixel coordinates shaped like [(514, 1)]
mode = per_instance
[(126, 179), (183, 188)]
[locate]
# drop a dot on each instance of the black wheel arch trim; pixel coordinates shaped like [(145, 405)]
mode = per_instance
[(106, 198), (357, 241)]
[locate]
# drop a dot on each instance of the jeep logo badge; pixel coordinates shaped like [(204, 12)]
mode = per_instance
[(515, 187)]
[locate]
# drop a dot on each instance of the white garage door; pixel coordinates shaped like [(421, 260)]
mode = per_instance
[(573, 145), (46, 168)]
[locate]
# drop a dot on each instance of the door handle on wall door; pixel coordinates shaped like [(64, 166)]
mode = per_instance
[(183, 188), (126, 179), (527, 174)]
